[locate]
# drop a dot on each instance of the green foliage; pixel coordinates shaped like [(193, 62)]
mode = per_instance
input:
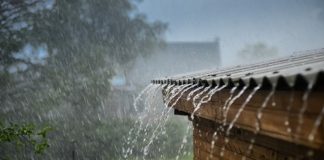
[(16, 24), (85, 41), (79, 32), (25, 135)]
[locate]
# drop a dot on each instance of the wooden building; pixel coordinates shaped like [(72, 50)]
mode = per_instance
[(269, 110)]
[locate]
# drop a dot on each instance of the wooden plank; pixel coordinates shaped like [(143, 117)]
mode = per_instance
[(281, 99), (274, 117), (264, 147)]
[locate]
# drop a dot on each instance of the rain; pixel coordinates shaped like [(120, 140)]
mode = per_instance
[(87, 79)]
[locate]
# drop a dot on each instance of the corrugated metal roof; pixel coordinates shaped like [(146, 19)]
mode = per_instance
[(307, 65)]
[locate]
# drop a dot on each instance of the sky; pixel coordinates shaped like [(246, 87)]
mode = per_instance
[(288, 25)]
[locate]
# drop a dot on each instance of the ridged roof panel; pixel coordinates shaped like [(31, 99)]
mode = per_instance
[(306, 65)]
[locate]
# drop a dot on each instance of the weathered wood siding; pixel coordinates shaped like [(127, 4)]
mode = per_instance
[(274, 141)]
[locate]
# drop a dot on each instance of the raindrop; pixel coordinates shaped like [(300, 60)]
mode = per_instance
[(316, 124), (258, 119), (304, 107)]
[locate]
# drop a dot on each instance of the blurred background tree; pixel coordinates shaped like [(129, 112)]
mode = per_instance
[(57, 59)]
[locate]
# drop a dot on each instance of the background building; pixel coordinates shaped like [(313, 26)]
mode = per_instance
[(176, 58)]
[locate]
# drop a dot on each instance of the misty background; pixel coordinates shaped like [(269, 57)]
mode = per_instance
[(70, 71), (289, 26)]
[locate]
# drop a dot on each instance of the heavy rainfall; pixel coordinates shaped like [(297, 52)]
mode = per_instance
[(75, 76)]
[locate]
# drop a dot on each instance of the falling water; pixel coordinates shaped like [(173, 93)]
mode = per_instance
[(181, 90), (169, 86), (197, 96), (288, 109), (231, 103), (304, 107), (206, 99), (184, 141), (171, 94), (166, 110), (195, 104), (139, 97), (169, 90), (185, 90), (317, 123), (225, 107), (215, 134), (176, 92), (258, 120), (194, 91), (164, 119), (212, 145), (212, 92), (131, 142), (263, 106), (238, 113), (172, 105), (149, 103), (173, 90)]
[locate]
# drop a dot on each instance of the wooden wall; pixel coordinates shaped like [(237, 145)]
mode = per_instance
[(265, 147), (276, 139)]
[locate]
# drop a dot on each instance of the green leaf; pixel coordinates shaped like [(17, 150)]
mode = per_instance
[(44, 131)]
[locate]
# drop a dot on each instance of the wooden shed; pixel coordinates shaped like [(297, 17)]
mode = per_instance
[(269, 110)]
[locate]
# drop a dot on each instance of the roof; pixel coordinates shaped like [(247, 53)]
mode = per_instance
[(287, 71)]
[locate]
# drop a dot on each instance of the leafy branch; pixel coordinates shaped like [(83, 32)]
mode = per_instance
[(26, 134)]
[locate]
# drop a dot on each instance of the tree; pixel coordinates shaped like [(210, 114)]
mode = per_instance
[(15, 24), (23, 135), (82, 41)]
